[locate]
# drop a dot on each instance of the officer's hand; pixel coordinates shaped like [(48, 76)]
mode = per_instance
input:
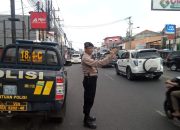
[(114, 51)]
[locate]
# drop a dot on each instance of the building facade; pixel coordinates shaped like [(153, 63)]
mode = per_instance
[(144, 39), (22, 29), (113, 41)]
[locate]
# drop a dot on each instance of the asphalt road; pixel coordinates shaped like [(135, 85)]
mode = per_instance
[(119, 105)]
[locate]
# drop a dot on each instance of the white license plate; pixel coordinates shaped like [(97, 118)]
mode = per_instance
[(9, 89)]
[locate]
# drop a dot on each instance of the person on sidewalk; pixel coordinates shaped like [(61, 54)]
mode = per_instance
[(89, 67)]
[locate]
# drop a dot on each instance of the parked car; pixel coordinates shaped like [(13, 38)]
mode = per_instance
[(76, 58), (173, 60), (142, 62)]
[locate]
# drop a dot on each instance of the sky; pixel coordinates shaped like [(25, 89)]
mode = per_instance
[(93, 20)]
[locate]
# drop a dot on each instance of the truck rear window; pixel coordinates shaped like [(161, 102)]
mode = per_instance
[(27, 55), (51, 58), (10, 56), (36, 56)]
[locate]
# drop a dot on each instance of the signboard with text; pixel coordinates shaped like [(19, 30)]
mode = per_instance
[(170, 29), (38, 20), (168, 5)]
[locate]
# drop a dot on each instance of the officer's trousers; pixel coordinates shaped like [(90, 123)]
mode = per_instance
[(89, 84)]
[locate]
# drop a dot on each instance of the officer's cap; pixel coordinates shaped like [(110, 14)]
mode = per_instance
[(88, 44)]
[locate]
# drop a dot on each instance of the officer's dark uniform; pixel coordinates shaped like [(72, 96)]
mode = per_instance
[(89, 67)]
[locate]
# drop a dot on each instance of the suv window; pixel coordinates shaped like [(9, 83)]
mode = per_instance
[(125, 55), (120, 53), (10, 56), (148, 54), (133, 54), (75, 56)]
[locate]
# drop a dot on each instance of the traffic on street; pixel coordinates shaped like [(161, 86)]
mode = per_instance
[(119, 104), (88, 64)]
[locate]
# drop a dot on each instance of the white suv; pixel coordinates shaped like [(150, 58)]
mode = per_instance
[(142, 62)]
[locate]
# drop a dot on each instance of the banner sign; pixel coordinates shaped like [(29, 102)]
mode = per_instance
[(38, 20), (165, 5)]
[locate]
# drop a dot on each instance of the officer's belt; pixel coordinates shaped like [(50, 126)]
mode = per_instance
[(90, 75)]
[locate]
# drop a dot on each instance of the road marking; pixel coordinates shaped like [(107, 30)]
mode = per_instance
[(109, 77), (161, 113)]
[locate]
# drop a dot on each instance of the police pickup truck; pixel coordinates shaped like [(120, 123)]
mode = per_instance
[(33, 80)]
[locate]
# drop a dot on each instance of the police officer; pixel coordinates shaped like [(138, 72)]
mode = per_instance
[(89, 66)]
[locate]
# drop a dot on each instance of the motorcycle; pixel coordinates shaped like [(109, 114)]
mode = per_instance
[(168, 108)]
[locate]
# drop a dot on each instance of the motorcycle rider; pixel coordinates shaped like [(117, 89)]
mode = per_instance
[(174, 93)]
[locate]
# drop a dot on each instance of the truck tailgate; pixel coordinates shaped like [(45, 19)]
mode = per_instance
[(27, 85)]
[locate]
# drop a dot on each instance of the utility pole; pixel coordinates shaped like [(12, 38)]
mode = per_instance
[(48, 10), (56, 25), (23, 23), (13, 22), (38, 9), (129, 33)]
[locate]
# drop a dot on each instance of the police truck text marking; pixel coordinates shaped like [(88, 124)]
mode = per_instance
[(21, 75)]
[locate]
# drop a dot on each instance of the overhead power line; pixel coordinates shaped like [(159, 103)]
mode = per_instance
[(94, 26)]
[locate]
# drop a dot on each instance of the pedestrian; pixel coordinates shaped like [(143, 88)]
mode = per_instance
[(89, 66)]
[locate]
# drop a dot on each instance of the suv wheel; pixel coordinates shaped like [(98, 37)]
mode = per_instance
[(157, 77), (173, 67), (129, 74), (117, 71)]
